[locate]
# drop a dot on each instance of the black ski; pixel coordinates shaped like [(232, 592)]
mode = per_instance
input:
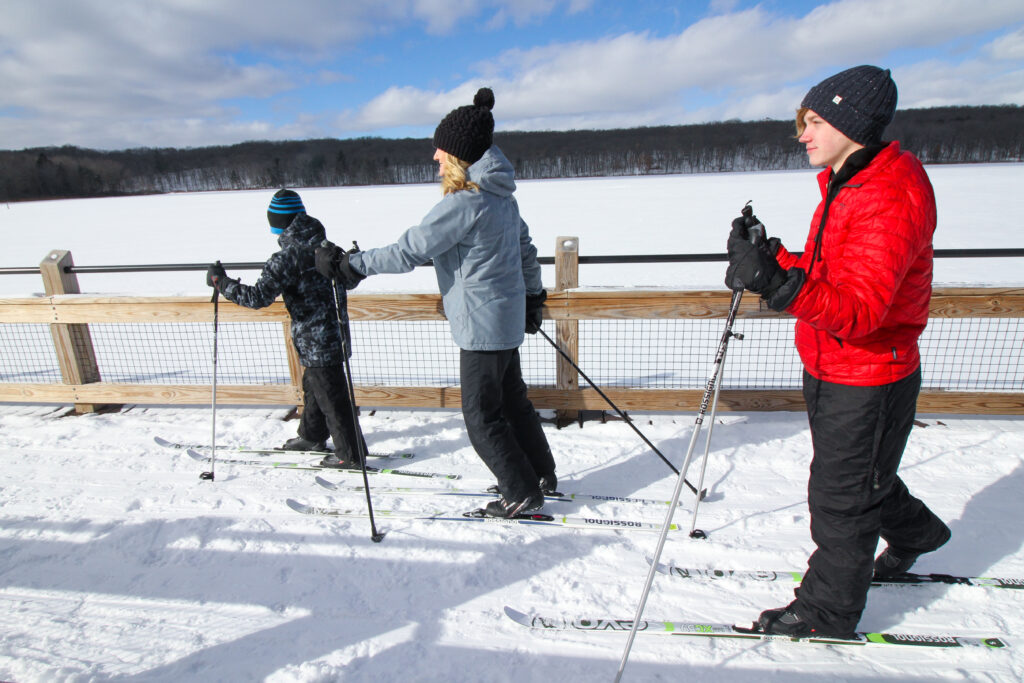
[(797, 577), (178, 446), (720, 630), (199, 457)]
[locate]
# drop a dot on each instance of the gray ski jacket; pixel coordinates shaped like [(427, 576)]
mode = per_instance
[(483, 256)]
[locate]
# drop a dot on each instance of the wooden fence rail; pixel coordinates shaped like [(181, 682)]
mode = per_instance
[(69, 315)]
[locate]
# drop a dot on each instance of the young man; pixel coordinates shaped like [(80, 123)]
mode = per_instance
[(487, 270), (316, 329), (860, 295)]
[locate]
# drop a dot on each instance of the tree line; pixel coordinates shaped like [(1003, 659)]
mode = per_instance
[(940, 135)]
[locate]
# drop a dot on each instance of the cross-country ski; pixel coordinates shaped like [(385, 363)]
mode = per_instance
[(250, 450), (906, 579), (536, 519), (316, 466), (587, 498), (730, 631)]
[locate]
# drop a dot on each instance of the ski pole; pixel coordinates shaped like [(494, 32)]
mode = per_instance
[(375, 535), (756, 233), (209, 476), (625, 418), (709, 389), (695, 532), (346, 350)]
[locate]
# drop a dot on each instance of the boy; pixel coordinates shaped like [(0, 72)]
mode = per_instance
[(860, 296), (319, 336)]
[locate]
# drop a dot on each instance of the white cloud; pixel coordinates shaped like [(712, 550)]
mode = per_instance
[(936, 84), (756, 63), (108, 74), (1008, 47), (73, 71)]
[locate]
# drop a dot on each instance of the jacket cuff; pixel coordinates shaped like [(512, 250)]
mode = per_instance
[(783, 296), (355, 262), (227, 287)]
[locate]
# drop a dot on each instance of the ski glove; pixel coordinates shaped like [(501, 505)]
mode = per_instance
[(754, 267), (739, 232), (215, 276), (332, 263), (535, 311)]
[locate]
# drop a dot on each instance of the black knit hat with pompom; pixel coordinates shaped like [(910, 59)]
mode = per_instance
[(467, 132)]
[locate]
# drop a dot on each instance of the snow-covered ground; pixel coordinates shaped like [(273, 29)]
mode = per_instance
[(118, 563)]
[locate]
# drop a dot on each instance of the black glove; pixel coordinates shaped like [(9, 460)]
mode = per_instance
[(753, 267), (215, 275), (752, 263), (739, 232), (332, 262), (535, 311), (325, 256)]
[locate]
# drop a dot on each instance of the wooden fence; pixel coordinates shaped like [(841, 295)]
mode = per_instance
[(69, 315)]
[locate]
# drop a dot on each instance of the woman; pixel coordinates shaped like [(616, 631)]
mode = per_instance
[(860, 295), (490, 281)]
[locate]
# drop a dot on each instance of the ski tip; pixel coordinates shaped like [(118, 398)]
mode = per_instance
[(297, 506), (516, 615), (196, 455), (163, 442), (326, 484)]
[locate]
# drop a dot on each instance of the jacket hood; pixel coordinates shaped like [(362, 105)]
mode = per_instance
[(494, 173), (304, 231)]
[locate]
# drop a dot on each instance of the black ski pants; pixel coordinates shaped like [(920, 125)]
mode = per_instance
[(327, 410), (502, 423), (855, 495)]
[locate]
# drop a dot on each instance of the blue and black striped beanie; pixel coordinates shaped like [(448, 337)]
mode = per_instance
[(283, 208)]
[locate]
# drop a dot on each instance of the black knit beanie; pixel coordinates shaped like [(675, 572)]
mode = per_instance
[(467, 131), (283, 207), (859, 102)]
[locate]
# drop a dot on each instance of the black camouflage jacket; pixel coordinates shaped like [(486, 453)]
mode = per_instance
[(307, 294)]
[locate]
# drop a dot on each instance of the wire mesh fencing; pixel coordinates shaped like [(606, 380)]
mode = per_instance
[(959, 354)]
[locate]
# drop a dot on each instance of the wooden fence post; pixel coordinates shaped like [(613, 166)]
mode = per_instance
[(567, 276), (72, 342)]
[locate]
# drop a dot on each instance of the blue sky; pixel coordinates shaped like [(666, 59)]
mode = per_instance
[(116, 74)]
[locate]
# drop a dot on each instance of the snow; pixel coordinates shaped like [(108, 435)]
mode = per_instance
[(118, 563)]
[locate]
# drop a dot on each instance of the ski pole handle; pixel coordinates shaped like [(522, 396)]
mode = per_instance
[(755, 229), (355, 245), (216, 287)]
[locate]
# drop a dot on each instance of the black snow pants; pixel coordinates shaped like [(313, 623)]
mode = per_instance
[(503, 426), (855, 495), (327, 410)]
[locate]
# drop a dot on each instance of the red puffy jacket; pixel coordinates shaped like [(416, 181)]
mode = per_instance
[(869, 281)]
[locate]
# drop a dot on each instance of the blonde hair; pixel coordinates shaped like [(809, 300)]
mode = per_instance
[(801, 125), (453, 175)]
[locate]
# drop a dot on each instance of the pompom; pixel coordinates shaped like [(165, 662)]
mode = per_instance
[(484, 98)]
